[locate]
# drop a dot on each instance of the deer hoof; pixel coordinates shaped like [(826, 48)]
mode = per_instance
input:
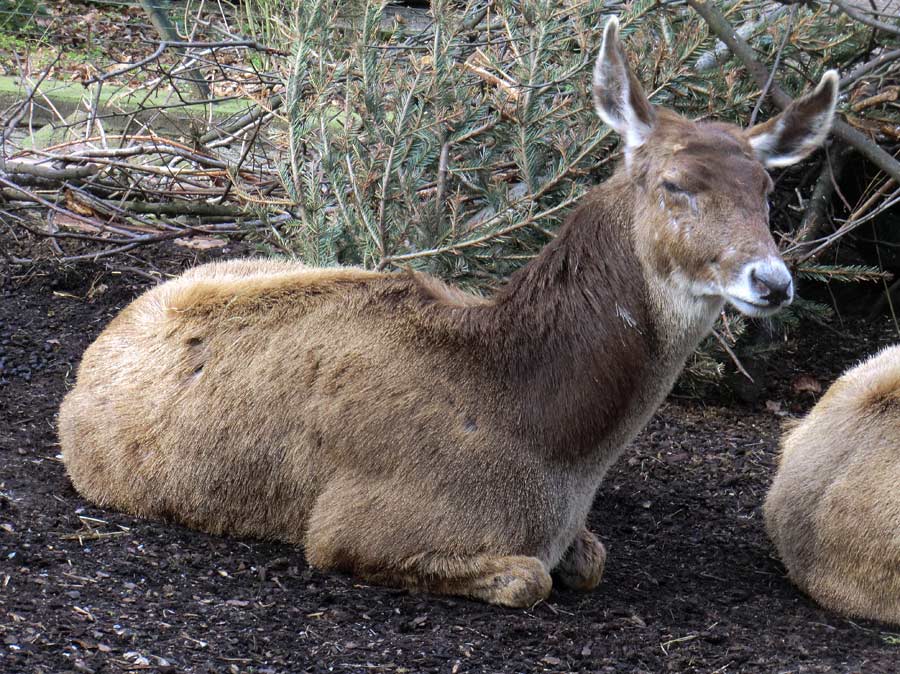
[(523, 583), (581, 567)]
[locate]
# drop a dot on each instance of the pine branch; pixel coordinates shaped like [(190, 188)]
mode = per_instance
[(853, 273)]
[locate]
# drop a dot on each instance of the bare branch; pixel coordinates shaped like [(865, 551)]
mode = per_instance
[(731, 354), (175, 44), (856, 15), (720, 26), (865, 68), (50, 173)]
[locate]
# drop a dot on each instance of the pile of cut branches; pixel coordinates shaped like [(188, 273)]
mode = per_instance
[(178, 145)]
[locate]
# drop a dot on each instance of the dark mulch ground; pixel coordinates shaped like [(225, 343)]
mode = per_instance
[(691, 584)]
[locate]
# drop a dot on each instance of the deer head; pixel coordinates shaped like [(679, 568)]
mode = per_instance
[(701, 188)]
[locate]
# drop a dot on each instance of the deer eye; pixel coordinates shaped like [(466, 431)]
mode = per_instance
[(669, 186)]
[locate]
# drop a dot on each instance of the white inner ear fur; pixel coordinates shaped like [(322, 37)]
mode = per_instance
[(766, 145), (612, 75)]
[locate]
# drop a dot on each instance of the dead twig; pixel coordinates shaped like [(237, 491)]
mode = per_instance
[(21, 108), (48, 173), (857, 218), (867, 67), (765, 89), (814, 218), (177, 44), (731, 354)]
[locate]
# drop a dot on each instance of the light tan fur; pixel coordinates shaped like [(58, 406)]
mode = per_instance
[(414, 434), (833, 510)]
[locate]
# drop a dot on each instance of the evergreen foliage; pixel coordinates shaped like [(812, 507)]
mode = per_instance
[(459, 148)]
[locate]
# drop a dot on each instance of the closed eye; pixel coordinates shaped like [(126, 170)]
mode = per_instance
[(669, 186)]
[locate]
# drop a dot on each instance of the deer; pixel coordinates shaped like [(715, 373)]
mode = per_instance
[(419, 436), (833, 510)]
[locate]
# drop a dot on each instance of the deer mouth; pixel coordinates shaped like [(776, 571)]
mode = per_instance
[(755, 309)]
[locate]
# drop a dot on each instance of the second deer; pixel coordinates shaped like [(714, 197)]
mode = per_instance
[(834, 507)]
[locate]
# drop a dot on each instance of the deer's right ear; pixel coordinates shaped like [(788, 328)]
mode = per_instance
[(618, 97)]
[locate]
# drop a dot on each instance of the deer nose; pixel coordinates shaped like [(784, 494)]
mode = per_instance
[(772, 283)]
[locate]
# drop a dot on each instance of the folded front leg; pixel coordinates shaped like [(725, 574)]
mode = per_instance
[(516, 581)]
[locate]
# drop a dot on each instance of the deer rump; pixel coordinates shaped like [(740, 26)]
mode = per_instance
[(833, 510)]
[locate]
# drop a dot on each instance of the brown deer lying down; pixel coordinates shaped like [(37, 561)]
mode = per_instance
[(421, 437), (833, 510)]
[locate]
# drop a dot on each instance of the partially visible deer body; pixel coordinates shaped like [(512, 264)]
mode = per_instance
[(833, 510), (418, 436)]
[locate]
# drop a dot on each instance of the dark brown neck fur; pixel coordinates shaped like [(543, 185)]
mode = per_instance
[(573, 330)]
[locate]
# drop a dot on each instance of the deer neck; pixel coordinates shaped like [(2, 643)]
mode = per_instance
[(592, 339)]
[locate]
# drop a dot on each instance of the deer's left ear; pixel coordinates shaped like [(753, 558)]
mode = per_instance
[(800, 129)]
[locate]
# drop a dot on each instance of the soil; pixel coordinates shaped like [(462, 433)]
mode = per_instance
[(691, 585)]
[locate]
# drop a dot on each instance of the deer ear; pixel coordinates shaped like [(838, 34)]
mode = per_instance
[(800, 129), (618, 97)]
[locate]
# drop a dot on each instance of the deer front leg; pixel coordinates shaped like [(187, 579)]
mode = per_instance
[(515, 581), (581, 568)]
